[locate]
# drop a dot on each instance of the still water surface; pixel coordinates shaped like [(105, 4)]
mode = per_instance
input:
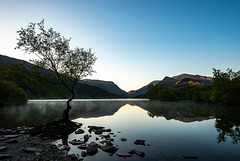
[(171, 129)]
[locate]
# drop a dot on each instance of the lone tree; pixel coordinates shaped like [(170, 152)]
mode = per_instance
[(54, 53)]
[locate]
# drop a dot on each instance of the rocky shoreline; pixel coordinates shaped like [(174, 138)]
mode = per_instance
[(17, 145), (39, 143)]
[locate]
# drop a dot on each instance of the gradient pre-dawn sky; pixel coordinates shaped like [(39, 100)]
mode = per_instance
[(136, 41)]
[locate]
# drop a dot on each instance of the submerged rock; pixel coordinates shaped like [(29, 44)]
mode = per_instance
[(76, 142), (190, 157), (140, 142), (123, 139), (109, 149), (83, 146), (125, 155), (139, 153)]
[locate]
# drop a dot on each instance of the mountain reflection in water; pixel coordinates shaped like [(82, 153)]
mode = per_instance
[(227, 120)]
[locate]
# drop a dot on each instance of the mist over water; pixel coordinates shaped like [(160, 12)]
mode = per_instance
[(171, 129)]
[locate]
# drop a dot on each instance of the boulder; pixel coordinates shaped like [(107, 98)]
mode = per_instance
[(109, 149), (92, 148), (79, 131)]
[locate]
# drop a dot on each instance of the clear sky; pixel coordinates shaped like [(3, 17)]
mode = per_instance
[(136, 41)]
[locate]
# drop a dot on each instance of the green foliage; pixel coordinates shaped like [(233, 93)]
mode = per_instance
[(152, 91), (226, 87), (42, 84), (16, 73), (167, 95), (225, 90), (11, 94)]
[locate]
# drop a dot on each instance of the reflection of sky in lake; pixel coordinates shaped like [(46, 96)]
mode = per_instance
[(168, 139), (159, 123)]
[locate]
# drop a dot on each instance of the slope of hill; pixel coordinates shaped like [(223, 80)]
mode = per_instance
[(40, 89), (179, 81), (141, 91), (195, 77), (109, 86)]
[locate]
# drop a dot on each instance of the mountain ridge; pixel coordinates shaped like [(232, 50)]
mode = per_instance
[(178, 81), (109, 86)]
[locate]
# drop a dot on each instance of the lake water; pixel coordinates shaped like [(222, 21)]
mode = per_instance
[(170, 129)]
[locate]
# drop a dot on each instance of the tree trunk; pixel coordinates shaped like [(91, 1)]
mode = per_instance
[(65, 115)]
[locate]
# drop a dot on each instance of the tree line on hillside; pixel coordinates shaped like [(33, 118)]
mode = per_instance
[(225, 90), (19, 82)]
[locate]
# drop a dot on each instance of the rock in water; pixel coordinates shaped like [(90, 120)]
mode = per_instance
[(125, 155), (139, 153), (92, 148), (190, 157), (86, 137), (76, 142), (79, 131), (84, 154), (140, 142), (109, 149), (123, 139)]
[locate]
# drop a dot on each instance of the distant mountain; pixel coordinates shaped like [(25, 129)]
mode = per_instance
[(141, 91), (195, 77), (41, 90), (179, 81), (109, 86), (6, 60)]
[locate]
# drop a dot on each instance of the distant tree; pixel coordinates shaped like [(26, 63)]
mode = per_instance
[(11, 94), (54, 53), (226, 87), (16, 73)]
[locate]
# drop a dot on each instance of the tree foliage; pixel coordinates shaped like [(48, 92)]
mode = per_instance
[(11, 94), (225, 90), (54, 53)]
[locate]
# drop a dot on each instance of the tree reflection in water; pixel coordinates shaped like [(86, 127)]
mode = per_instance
[(227, 122)]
